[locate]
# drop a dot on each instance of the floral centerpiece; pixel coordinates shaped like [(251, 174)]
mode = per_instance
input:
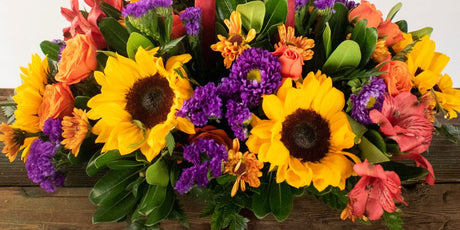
[(241, 104)]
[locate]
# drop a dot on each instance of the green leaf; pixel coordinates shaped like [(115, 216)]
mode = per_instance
[(280, 200), (370, 152), (393, 220), (151, 200), (346, 56), (418, 34), (339, 24), (111, 185), (297, 192), (123, 164), (135, 41), (115, 34), (50, 49), (377, 139), (252, 15), (332, 196), (99, 161), (260, 203), (276, 11), (393, 11), (238, 223), (110, 11), (327, 42), (178, 214), (402, 24), (224, 8), (368, 45), (115, 211), (158, 173), (449, 131), (163, 210), (81, 102), (405, 172), (170, 46), (225, 179), (170, 143)]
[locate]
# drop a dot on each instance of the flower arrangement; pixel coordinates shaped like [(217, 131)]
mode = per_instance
[(241, 104)]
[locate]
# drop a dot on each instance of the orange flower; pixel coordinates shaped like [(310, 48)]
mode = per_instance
[(211, 132), (236, 42), (245, 166), (366, 10), (75, 129), (397, 77), (301, 44), (391, 32), (57, 102), (78, 60), (381, 52), (14, 140), (399, 46), (291, 62)]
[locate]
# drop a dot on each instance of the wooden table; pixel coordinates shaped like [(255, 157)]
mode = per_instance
[(23, 205)]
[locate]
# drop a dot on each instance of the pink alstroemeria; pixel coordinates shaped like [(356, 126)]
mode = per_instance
[(375, 191)]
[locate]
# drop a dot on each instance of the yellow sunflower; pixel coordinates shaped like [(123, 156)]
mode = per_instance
[(305, 135), (236, 42), (138, 102)]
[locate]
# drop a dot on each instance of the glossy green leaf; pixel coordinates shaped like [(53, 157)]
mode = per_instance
[(393, 220), (135, 41), (51, 49), (110, 11), (358, 34), (170, 143), (124, 164), (418, 34), (402, 24), (158, 173), (370, 152), (281, 201), (115, 211), (368, 45), (115, 34), (405, 172), (358, 128), (225, 179), (346, 56), (327, 42), (81, 102), (373, 136), (170, 46), (338, 24), (298, 191), (163, 210), (225, 8), (393, 11), (260, 203), (151, 200), (101, 160), (111, 185), (252, 15), (276, 11)]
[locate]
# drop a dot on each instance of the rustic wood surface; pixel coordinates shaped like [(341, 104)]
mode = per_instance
[(23, 205)]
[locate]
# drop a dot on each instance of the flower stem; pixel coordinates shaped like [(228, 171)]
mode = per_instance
[(8, 103)]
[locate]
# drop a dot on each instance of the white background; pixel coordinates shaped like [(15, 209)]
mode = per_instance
[(24, 24)]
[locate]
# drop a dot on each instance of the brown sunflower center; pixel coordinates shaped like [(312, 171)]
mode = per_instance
[(306, 135), (150, 100)]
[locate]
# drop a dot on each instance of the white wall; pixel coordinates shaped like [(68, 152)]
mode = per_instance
[(24, 24)]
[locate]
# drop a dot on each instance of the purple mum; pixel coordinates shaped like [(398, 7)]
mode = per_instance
[(141, 7), (40, 167), (191, 18), (348, 3), (53, 129), (324, 4), (370, 97), (205, 155), (300, 3)]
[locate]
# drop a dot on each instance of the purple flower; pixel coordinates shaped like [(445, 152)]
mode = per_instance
[(191, 18), (256, 72), (53, 129), (205, 155), (348, 3), (204, 104), (141, 7), (40, 168), (300, 3), (237, 114), (324, 4), (370, 97)]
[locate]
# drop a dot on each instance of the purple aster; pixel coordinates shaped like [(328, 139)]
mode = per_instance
[(204, 104), (324, 4), (205, 155), (237, 114), (370, 97), (53, 129), (348, 3), (300, 3), (256, 72), (141, 7), (191, 18), (40, 167)]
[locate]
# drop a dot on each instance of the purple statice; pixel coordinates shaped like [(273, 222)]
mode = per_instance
[(237, 114), (205, 104), (205, 155), (300, 3), (370, 97), (348, 3), (53, 129), (139, 8), (191, 18), (324, 4), (40, 167), (256, 72)]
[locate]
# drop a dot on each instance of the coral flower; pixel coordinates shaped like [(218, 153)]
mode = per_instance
[(305, 135), (75, 129), (236, 43), (245, 167), (375, 191), (138, 102)]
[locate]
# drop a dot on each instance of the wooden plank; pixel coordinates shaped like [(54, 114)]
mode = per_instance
[(436, 207)]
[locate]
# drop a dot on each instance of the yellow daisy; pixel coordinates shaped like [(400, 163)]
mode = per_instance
[(236, 42), (138, 102), (305, 135)]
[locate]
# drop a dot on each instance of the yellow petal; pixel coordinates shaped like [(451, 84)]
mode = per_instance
[(273, 107), (175, 62), (278, 154), (185, 125)]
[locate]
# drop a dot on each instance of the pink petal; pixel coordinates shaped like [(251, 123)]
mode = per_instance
[(420, 161)]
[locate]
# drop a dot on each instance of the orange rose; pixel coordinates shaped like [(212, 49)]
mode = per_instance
[(291, 62), (397, 77), (391, 32), (78, 60), (366, 10), (57, 102), (211, 132)]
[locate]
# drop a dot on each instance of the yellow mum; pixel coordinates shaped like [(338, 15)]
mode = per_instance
[(138, 102), (305, 134)]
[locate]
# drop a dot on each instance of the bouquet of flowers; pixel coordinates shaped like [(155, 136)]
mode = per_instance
[(241, 104)]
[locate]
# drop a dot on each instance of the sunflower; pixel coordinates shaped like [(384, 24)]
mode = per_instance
[(236, 42), (305, 135), (138, 102)]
